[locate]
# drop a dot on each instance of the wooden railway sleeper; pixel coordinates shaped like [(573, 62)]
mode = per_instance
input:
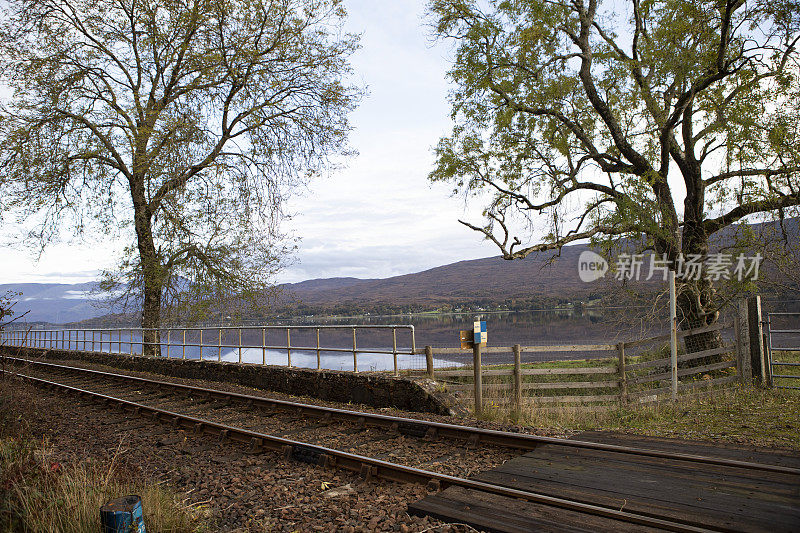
[(256, 445), (368, 472)]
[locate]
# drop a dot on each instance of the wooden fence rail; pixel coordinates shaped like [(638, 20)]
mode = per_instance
[(624, 380)]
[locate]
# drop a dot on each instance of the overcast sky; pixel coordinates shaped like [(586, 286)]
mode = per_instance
[(376, 218)]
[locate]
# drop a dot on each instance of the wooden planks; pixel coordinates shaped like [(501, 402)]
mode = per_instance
[(715, 497), (490, 512)]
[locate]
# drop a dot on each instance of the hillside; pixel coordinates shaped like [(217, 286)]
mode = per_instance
[(489, 280), (542, 280)]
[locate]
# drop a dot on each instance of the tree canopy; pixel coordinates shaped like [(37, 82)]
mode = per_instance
[(662, 119), (181, 122)]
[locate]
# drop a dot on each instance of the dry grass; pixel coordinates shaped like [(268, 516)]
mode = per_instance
[(41, 494), (741, 414), (747, 415)]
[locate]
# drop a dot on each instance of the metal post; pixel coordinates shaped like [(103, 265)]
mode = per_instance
[(673, 336), (767, 343), (289, 346), (131, 345), (263, 346), (476, 372), (119, 342), (240, 344), (517, 377), (394, 350), (183, 356), (219, 348), (201, 344), (84, 340), (355, 357), (319, 362), (429, 361), (169, 341)]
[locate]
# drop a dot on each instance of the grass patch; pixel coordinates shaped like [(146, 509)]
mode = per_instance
[(728, 413), (747, 415), (39, 493)]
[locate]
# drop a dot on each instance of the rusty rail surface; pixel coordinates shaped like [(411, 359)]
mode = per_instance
[(416, 427), (368, 467)]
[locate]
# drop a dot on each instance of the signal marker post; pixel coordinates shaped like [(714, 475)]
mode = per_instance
[(478, 340)]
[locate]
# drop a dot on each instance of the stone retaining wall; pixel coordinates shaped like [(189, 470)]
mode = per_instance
[(370, 388)]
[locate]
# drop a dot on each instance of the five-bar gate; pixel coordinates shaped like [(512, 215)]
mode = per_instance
[(783, 343)]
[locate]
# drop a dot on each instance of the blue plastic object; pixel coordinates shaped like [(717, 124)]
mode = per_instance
[(122, 515)]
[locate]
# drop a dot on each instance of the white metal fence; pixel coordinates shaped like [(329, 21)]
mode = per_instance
[(312, 345)]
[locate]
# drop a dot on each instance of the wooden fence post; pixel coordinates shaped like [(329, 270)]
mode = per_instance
[(477, 373), (743, 342), (429, 361), (755, 332), (517, 378), (623, 380)]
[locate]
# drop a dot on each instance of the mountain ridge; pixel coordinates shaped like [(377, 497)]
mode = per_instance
[(542, 280)]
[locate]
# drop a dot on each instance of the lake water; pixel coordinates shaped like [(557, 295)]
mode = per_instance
[(552, 327)]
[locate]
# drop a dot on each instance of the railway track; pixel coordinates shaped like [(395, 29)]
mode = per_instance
[(213, 413)]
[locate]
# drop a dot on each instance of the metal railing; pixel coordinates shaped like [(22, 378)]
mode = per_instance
[(131, 341), (771, 331)]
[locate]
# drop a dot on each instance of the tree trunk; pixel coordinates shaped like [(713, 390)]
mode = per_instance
[(151, 317), (152, 272), (695, 300)]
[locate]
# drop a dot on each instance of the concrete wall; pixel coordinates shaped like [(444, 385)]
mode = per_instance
[(374, 389)]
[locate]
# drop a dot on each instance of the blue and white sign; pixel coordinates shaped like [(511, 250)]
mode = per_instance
[(479, 332)]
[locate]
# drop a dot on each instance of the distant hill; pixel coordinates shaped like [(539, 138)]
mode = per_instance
[(490, 279), (542, 280), (54, 302)]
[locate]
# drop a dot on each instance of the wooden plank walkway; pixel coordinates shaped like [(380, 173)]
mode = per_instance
[(715, 497)]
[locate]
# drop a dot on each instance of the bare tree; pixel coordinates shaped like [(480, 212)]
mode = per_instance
[(180, 122)]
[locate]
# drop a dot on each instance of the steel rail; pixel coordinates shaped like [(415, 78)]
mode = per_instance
[(418, 427), (368, 466)]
